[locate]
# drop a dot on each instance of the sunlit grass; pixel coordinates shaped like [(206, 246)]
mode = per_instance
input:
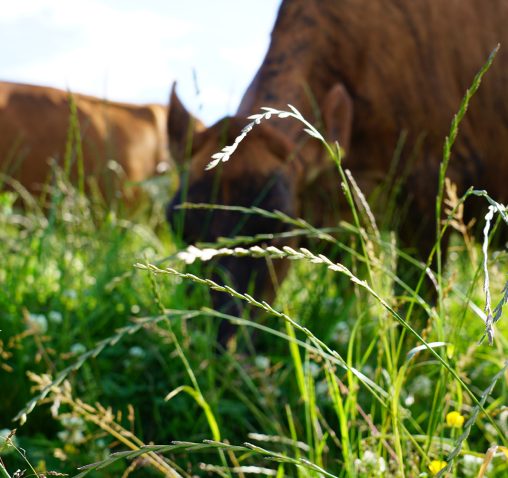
[(108, 356)]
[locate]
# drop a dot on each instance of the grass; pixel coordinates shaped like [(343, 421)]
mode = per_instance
[(108, 362)]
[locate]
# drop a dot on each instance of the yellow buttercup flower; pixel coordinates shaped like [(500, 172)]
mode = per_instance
[(454, 419), (436, 466)]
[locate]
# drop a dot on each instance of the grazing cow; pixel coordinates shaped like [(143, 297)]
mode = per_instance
[(368, 73), (34, 126)]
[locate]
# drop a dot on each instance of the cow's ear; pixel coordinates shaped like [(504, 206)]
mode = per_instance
[(337, 111), (183, 129)]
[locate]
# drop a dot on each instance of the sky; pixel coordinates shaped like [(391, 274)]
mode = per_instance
[(132, 51)]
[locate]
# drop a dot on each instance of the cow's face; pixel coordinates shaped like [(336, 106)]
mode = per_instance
[(260, 173)]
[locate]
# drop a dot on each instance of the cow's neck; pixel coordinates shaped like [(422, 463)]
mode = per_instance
[(296, 69)]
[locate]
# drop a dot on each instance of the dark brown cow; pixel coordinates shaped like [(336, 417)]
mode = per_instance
[(34, 126), (365, 71)]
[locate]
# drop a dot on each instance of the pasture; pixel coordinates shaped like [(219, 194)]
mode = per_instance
[(370, 361), (109, 357)]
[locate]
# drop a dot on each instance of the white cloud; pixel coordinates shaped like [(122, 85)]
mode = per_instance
[(16, 10), (132, 51)]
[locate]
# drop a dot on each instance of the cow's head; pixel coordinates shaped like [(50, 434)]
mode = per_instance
[(265, 171)]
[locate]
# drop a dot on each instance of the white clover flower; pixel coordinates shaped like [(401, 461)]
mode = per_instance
[(74, 437), (78, 265), (52, 271), (421, 386), (313, 369), (90, 280), (369, 458), (55, 316), (78, 348), (503, 421), (341, 333), (322, 389), (70, 293), (72, 422), (262, 362), (38, 322), (370, 464), (471, 465), (137, 352), (73, 432), (409, 400), (491, 429)]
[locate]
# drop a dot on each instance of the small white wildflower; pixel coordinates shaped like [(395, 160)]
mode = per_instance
[(70, 293), (162, 167), (262, 362), (341, 333), (491, 429), (503, 421), (370, 464), (421, 386), (136, 352), (38, 322), (68, 217), (72, 422), (313, 369), (78, 348), (322, 389), (454, 256), (115, 167), (471, 465), (410, 400), (135, 309), (72, 436), (52, 271), (369, 458), (90, 280), (55, 316)]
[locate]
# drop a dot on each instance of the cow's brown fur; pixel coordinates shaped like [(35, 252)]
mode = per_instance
[(367, 71), (34, 127)]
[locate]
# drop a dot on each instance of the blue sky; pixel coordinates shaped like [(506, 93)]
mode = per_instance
[(131, 50)]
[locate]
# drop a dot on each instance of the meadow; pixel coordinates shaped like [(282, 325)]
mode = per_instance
[(109, 366)]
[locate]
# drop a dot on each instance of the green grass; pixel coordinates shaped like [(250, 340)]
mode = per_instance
[(107, 354)]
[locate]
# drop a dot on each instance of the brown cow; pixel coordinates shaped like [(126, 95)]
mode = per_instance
[(364, 71), (34, 126)]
